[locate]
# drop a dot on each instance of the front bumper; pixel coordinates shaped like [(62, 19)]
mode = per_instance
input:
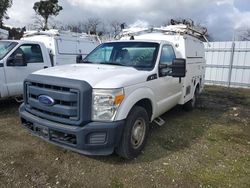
[(94, 138)]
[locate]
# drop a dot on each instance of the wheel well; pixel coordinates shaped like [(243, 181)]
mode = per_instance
[(197, 88), (147, 105)]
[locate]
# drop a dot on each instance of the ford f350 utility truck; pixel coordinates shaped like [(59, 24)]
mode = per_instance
[(106, 103), (35, 51)]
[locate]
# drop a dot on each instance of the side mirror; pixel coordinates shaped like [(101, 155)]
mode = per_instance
[(176, 70), (79, 58), (18, 61)]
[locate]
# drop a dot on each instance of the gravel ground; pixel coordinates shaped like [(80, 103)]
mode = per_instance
[(208, 147)]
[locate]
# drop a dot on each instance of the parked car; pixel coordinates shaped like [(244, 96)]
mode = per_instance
[(106, 103), (35, 51)]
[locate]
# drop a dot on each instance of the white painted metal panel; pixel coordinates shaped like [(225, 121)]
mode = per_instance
[(228, 63), (193, 48), (66, 46)]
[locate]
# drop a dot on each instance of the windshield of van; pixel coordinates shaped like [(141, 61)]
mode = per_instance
[(140, 55), (5, 47)]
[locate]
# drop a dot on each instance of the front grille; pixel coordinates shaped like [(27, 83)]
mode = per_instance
[(66, 102)]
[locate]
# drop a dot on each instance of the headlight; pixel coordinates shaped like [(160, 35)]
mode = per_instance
[(106, 103)]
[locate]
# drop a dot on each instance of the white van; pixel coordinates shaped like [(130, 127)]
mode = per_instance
[(106, 103), (35, 51)]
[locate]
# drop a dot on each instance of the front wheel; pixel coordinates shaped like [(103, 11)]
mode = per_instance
[(134, 134)]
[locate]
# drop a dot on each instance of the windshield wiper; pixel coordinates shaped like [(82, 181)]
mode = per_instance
[(143, 67), (112, 63), (87, 62)]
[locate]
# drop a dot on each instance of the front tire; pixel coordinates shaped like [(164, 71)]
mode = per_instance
[(135, 133)]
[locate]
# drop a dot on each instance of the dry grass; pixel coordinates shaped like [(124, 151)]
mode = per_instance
[(209, 147)]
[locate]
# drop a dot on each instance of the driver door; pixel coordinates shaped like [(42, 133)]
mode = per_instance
[(16, 72), (169, 88)]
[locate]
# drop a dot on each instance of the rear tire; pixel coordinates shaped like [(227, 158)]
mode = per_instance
[(134, 134), (190, 105)]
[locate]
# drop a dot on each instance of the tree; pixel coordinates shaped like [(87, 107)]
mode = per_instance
[(75, 27), (16, 33), (38, 22), (46, 9), (115, 28), (4, 5), (245, 36), (91, 25)]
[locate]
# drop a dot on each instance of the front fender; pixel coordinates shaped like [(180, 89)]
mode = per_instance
[(132, 98)]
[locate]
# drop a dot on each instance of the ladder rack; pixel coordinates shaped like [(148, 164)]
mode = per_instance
[(54, 32), (59, 33), (197, 32)]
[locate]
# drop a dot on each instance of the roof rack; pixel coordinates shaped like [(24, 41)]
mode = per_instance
[(175, 28), (55, 32)]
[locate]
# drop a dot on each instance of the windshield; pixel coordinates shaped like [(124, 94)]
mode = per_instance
[(141, 55), (5, 47)]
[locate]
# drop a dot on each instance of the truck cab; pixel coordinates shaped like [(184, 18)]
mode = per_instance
[(38, 50), (64, 46), (17, 60), (106, 102)]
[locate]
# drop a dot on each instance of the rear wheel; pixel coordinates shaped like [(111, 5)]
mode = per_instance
[(134, 134), (190, 105)]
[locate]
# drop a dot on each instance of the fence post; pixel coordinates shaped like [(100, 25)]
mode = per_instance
[(231, 64)]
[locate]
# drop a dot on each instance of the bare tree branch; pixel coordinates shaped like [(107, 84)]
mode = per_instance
[(245, 36), (115, 28)]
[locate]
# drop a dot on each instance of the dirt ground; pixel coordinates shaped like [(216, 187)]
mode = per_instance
[(208, 147)]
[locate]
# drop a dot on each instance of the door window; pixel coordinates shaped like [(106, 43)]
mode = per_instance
[(167, 57), (32, 53)]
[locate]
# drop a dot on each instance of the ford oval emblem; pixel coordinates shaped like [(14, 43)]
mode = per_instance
[(46, 100)]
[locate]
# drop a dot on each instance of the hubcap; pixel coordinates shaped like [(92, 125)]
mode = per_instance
[(138, 133)]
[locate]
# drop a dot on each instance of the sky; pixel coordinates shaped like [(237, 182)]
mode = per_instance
[(223, 18)]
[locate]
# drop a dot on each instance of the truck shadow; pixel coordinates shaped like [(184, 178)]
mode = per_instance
[(8, 106)]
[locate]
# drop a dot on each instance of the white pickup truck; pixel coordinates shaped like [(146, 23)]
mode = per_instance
[(38, 50), (106, 103)]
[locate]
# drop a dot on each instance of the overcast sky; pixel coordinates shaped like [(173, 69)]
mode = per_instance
[(221, 17)]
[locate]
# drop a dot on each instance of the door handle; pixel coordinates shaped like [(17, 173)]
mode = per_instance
[(45, 67)]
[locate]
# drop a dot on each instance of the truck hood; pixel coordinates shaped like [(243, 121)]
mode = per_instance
[(98, 76)]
